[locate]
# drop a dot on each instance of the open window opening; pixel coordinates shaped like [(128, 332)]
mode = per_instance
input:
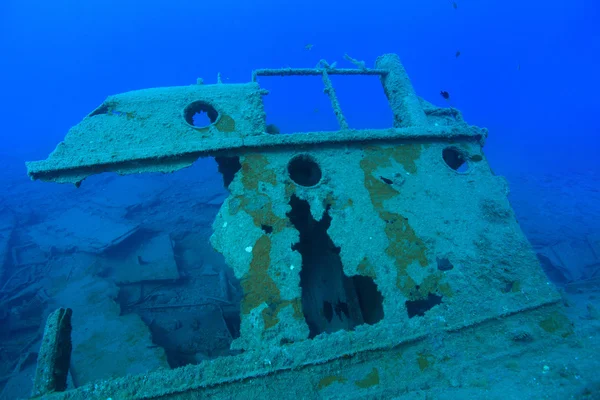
[(331, 301), (363, 101), (297, 104)]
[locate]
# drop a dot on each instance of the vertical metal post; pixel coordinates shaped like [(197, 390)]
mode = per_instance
[(400, 93), (54, 357), (330, 91)]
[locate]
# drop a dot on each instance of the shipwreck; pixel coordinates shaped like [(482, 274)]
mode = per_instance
[(372, 261)]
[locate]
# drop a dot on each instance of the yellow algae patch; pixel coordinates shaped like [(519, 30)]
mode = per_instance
[(258, 285), (290, 189), (260, 207), (557, 323), (404, 246), (370, 380), (225, 124), (379, 191), (425, 360), (270, 314), (378, 157), (431, 284), (335, 203), (329, 200), (329, 380), (255, 169)]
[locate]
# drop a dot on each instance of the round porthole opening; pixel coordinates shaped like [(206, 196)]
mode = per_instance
[(304, 170), (200, 114)]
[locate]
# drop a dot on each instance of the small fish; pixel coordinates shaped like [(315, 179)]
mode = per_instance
[(308, 47), (454, 5), (457, 53), (519, 67), (273, 129), (316, 110), (445, 94)]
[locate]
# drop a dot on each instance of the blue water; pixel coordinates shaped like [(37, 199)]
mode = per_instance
[(527, 71)]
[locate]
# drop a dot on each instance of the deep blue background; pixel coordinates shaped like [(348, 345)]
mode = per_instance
[(59, 59)]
